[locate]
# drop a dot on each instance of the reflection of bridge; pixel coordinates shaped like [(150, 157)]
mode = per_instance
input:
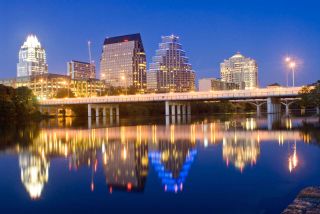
[(193, 133), (179, 103)]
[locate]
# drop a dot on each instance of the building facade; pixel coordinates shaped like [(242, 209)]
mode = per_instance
[(81, 70), (46, 86), (32, 58), (213, 84), (170, 69), (123, 62), (240, 70)]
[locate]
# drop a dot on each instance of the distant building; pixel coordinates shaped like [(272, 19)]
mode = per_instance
[(32, 58), (81, 70), (274, 85), (240, 70), (46, 86), (123, 62), (170, 70), (213, 84)]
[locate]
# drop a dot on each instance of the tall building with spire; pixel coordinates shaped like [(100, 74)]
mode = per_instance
[(170, 70), (32, 58), (123, 62), (240, 70)]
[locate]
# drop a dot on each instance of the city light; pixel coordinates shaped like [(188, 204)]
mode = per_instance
[(291, 64)]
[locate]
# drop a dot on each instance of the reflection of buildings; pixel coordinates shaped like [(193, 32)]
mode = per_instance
[(34, 173), (240, 152), (172, 162), (126, 150), (125, 165)]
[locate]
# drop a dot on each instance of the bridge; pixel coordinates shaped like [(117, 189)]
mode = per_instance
[(179, 103)]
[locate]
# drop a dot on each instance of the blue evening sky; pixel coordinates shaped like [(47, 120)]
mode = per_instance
[(210, 31)]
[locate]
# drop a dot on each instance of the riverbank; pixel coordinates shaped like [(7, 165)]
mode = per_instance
[(307, 201)]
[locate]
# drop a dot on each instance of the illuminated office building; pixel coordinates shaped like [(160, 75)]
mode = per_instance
[(32, 58), (170, 70), (123, 62), (46, 86), (81, 70), (240, 70), (213, 84)]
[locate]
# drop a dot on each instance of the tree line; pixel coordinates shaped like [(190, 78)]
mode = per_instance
[(310, 96), (18, 104)]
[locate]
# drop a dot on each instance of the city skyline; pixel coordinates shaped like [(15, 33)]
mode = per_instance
[(217, 25)]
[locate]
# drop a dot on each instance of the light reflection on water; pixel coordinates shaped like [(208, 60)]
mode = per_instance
[(126, 153)]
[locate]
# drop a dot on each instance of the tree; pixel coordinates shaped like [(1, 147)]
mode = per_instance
[(305, 97), (64, 93), (315, 96), (25, 102)]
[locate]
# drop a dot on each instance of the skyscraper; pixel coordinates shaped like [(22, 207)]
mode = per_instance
[(123, 62), (32, 58), (81, 70), (170, 69), (240, 70)]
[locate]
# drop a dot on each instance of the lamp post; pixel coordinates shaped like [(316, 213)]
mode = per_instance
[(291, 65), (288, 59)]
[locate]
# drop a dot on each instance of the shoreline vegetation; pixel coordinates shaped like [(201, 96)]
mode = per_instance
[(18, 105)]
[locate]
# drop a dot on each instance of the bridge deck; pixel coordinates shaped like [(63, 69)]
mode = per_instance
[(189, 96)]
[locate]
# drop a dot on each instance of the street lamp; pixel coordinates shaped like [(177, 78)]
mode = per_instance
[(287, 60), (292, 65)]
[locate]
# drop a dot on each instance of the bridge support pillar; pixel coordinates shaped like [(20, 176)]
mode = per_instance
[(176, 111), (117, 110), (173, 110), (179, 109), (167, 108), (259, 110), (97, 111), (104, 112), (89, 110), (287, 110), (188, 109), (273, 105), (318, 110), (287, 104), (184, 109), (111, 112)]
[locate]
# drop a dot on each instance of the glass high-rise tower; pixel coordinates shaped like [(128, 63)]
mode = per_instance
[(170, 70), (123, 62), (240, 70), (32, 58)]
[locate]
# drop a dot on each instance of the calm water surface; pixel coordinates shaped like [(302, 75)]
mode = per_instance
[(210, 165)]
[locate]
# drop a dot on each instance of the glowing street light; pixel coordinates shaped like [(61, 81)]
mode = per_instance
[(291, 65)]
